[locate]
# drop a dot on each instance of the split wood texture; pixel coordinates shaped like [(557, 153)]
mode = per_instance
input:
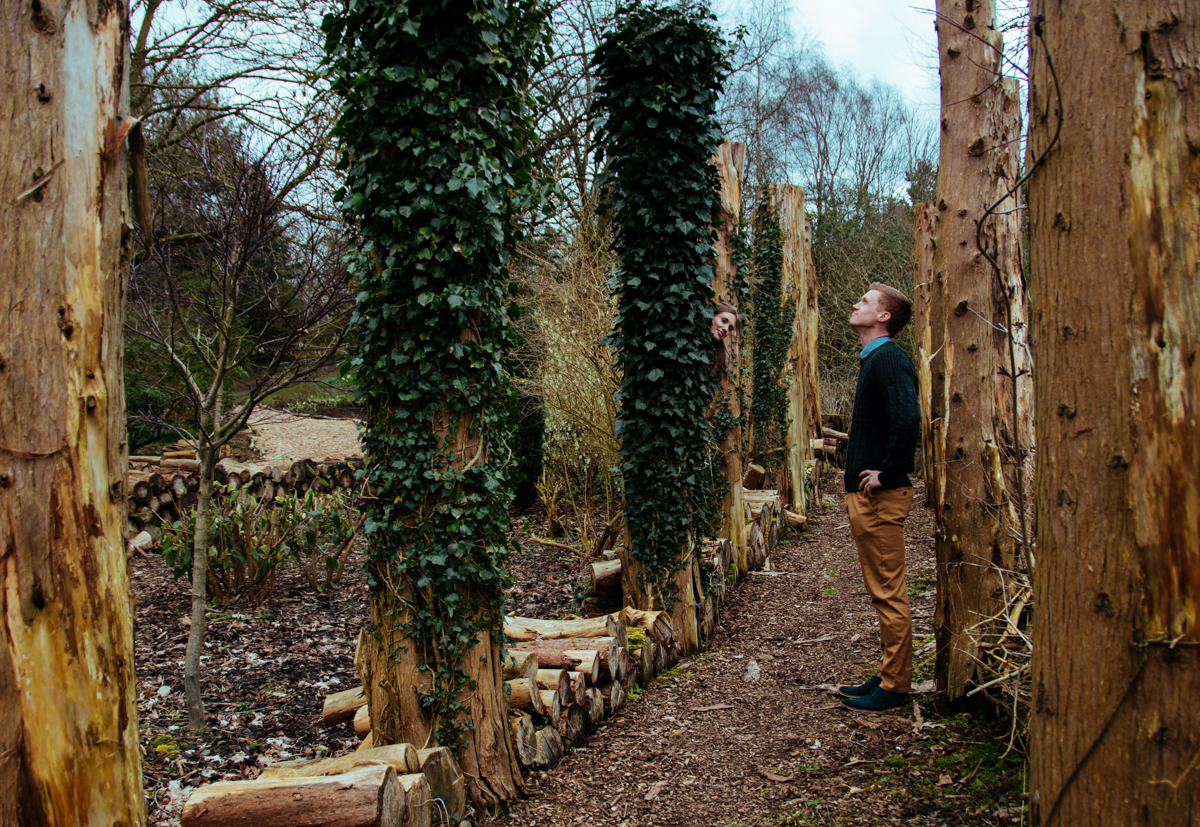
[(972, 393), (924, 278), (68, 742), (446, 782), (1114, 230)]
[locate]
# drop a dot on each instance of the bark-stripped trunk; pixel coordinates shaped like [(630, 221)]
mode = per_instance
[(811, 368), (979, 526), (730, 163), (68, 716), (924, 218), (1115, 731), (794, 295)]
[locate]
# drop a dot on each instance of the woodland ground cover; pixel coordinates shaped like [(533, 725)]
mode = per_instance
[(786, 753)]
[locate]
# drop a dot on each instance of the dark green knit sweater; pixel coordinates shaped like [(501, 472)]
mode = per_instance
[(886, 425)]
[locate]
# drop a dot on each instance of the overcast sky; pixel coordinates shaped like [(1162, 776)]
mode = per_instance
[(892, 40)]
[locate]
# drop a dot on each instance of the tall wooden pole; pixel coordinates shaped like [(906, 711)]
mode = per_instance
[(730, 163), (979, 526), (1115, 218), (794, 295), (68, 716), (924, 287), (811, 367)]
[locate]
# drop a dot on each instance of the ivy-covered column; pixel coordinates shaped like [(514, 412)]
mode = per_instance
[(660, 73), (434, 129), (772, 335)]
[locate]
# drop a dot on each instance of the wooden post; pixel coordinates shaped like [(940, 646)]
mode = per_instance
[(68, 702), (794, 295), (1115, 236), (730, 162), (924, 286), (977, 537)]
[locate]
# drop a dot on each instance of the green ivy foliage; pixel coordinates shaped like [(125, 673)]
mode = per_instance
[(772, 334), (660, 73), (435, 130)]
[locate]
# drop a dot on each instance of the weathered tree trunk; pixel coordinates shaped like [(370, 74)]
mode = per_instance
[(391, 672), (68, 716), (683, 615), (794, 294), (730, 163), (924, 285), (1115, 729), (976, 540)]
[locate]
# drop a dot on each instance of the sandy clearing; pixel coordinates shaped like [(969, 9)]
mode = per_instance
[(285, 436)]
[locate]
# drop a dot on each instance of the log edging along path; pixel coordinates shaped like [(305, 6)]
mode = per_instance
[(551, 710)]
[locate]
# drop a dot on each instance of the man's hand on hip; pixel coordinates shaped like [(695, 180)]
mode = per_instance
[(869, 483)]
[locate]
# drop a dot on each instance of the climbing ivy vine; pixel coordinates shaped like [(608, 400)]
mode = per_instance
[(772, 335), (660, 72), (434, 129)]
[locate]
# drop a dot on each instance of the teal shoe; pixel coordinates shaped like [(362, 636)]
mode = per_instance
[(861, 690), (879, 700)]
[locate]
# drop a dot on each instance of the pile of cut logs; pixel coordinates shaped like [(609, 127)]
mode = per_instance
[(161, 488), (832, 446)]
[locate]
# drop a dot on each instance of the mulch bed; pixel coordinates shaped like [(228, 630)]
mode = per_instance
[(778, 750)]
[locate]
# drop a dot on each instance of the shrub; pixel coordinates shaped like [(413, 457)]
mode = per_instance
[(251, 537)]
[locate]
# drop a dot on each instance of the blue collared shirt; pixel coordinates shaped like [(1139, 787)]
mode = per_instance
[(872, 346)]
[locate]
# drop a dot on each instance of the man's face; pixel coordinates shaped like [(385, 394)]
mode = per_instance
[(867, 312)]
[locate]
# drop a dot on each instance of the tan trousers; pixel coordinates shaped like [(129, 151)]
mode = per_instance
[(878, 526)]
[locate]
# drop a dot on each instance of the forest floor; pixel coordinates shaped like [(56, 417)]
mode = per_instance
[(700, 746)]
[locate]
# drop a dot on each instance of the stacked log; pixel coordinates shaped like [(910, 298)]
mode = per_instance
[(583, 677), (162, 488), (342, 706)]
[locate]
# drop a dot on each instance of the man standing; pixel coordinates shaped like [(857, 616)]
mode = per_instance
[(884, 432)]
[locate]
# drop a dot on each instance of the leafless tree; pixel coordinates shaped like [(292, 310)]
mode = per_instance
[(237, 288)]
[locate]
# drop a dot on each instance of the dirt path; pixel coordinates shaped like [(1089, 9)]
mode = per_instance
[(706, 746)]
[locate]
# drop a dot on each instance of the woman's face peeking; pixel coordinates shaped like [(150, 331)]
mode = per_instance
[(723, 324)]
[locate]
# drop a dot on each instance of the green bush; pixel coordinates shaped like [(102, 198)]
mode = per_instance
[(251, 537)]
